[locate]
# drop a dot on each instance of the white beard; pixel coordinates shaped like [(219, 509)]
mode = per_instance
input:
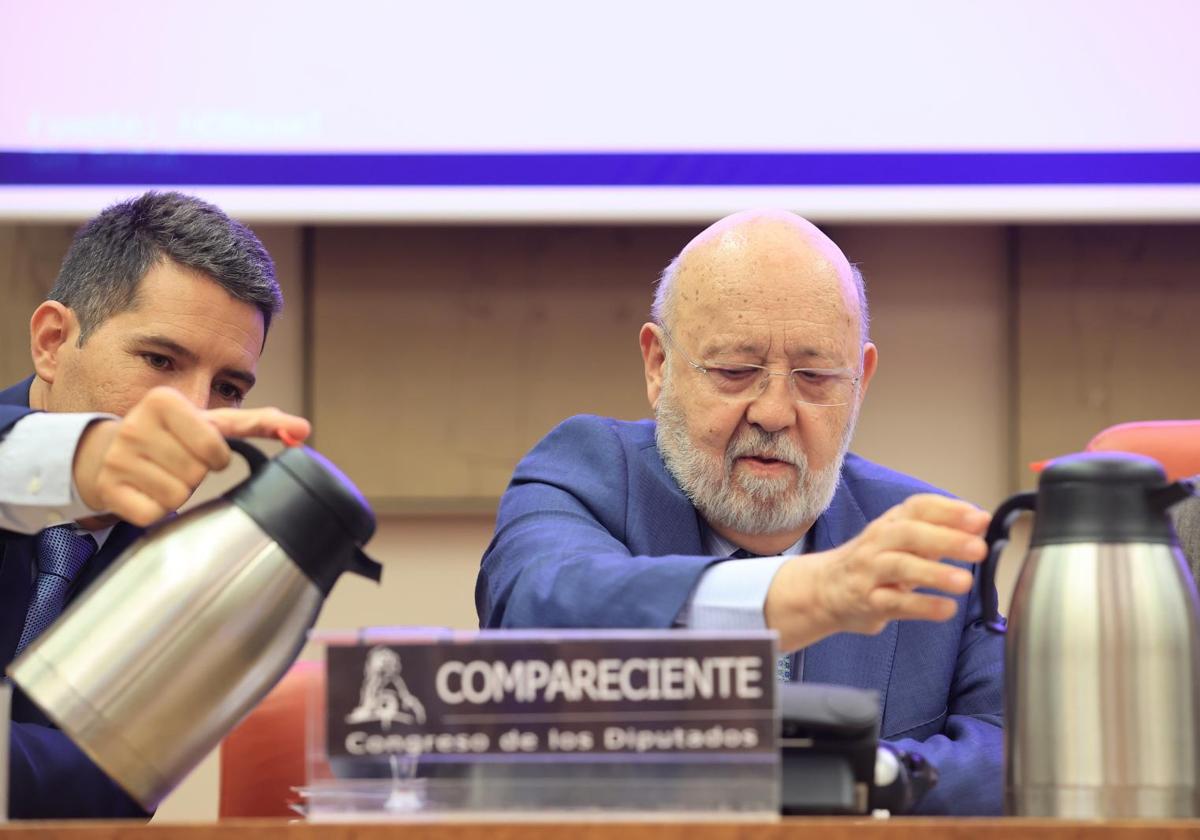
[(743, 503)]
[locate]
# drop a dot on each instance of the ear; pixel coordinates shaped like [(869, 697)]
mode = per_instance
[(870, 362), (52, 328), (653, 358)]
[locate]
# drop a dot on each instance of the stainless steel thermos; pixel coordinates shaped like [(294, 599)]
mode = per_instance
[(187, 631), (1102, 659)]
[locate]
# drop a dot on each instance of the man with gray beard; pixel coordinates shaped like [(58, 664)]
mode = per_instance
[(740, 508)]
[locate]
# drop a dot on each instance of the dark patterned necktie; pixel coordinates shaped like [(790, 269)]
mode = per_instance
[(61, 555), (783, 665)]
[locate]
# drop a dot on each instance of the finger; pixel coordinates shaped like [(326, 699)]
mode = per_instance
[(940, 510), (258, 422), (897, 605), (155, 483), (186, 424), (133, 506), (930, 541), (910, 572), (154, 442)]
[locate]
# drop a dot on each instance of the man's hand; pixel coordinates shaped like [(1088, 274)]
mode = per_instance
[(148, 463), (862, 585)]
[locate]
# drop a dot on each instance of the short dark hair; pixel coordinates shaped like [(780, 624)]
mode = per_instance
[(111, 254)]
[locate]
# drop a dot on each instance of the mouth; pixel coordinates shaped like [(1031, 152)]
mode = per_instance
[(764, 464)]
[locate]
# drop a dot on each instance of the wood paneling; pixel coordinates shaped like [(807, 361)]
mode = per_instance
[(30, 256), (940, 406), (1109, 326), (443, 354)]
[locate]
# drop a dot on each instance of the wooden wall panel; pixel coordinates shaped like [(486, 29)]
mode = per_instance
[(30, 256), (940, 406), (443, 354), (1109, 332)]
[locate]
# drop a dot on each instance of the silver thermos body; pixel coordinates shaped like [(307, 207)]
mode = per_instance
[(1102, 659), (152, 666)]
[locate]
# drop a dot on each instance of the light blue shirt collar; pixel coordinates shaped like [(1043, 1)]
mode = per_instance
[(717, 546)]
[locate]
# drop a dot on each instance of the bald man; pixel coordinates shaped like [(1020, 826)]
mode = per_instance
[(740, 508)]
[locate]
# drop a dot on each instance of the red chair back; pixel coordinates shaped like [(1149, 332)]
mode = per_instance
[(263, 758), (1173, 443)]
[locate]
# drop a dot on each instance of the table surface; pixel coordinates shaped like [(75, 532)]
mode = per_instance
[(825, 828)]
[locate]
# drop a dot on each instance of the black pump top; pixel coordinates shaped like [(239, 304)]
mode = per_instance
[(308, 506), (1112, 497), (331, 487), (1104, 468)]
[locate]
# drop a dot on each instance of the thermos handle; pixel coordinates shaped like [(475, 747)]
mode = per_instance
[(997, 538), (253, 455)]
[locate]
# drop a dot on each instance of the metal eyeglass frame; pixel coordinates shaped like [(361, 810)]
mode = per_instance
[(848, 373)]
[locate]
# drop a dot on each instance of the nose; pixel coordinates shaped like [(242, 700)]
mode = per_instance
[(774, 407), (197, 390)]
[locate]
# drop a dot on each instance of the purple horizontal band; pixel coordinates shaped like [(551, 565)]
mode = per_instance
[(637, 169)]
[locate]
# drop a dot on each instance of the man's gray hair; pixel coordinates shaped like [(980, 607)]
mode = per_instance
[(663, 307), (111, 254)]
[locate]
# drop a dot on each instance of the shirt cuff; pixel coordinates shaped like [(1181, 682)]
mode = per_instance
[(36, 460), (731, 595)]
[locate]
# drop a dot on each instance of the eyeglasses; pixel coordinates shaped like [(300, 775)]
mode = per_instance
[(738, 381)]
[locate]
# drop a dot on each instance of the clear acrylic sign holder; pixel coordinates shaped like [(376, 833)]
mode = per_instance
[(444, 725)]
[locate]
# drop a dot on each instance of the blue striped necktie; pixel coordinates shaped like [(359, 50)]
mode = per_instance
[(61, 555), (783, 665)]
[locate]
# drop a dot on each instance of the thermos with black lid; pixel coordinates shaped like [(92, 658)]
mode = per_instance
[(1102, 661), (198, 620)]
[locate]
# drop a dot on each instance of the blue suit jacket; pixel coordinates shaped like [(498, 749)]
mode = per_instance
[(594, 532), (49, 777)]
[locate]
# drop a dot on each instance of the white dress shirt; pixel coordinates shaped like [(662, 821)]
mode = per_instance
[(37, 485), (731, 595)]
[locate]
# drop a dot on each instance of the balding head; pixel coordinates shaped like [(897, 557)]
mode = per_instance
[(729, 255), (760, 311)]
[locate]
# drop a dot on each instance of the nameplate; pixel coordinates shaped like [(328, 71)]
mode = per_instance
[(657, 696)]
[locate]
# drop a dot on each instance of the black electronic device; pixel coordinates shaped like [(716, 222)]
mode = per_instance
[(832, 761)]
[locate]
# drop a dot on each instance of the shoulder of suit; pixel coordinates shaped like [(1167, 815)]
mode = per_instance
[(17, 395), (636, 434)]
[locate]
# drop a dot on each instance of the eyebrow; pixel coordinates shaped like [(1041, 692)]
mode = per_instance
[(161, 342)]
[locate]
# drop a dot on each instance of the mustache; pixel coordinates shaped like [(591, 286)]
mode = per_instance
[(755, 443)]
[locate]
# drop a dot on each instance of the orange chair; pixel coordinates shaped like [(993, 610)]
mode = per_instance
[(1173, 443), (264, 757)]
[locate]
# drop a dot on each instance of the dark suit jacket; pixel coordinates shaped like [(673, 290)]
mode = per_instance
[(1186, 515), (49, 777), (594, 532)]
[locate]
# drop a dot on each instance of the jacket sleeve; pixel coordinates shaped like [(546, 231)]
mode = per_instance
[(559, 557), (51, 778), (969, 751)]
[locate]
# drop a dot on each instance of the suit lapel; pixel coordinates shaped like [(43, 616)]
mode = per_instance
[(675, 528), (16, 586), (16, 558), (849, 658)]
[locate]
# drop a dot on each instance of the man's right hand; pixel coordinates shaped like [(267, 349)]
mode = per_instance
[(870, 580), (148, 463)]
